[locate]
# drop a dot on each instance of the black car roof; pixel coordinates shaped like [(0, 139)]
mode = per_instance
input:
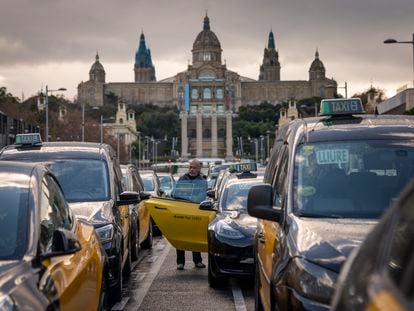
[(354, 128), (56, 150)]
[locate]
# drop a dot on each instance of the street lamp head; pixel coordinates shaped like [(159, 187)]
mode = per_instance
[(62, 89), (390, 41)]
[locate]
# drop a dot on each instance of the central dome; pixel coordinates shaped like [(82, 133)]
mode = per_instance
[(206, 39), (206, 47)]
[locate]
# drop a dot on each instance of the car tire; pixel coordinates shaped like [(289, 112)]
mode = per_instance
[(135, 243), (103, 296), (128, 264), (213, 281), (147, 243), (116, 289), (258, 306)]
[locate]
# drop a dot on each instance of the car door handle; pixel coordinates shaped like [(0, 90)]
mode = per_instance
[(261, 237), (156, 207)]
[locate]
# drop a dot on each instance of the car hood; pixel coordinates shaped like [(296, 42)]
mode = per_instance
[(7, 265), (95, 213), (327, 242), (242, 222)]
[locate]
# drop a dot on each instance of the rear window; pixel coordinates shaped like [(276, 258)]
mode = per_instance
[(82, 180)]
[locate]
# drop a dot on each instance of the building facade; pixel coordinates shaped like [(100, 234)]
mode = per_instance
[(207, 94)]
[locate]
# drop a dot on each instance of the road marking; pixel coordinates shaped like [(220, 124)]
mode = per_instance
[(119, 306), (146, 282), (238, 297)]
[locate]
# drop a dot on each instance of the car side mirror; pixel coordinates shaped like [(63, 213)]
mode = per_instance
[(211, 193), (128, 197), (206, 205), (64, 242), (144, 195), (260, 203)]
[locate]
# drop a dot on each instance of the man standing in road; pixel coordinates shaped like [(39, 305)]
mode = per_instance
[(194, 172)]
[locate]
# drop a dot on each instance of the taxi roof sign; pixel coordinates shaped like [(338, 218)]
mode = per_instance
[(243, 167), (28, 139), (341, 106)]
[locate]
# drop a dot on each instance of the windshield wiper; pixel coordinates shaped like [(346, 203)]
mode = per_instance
[(318, 215)]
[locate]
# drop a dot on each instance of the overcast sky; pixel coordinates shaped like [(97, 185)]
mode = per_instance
[(54, 42)]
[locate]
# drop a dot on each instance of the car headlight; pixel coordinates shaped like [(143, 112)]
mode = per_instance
[(6, 303), (105, 233), (228, 232), (312, 281)]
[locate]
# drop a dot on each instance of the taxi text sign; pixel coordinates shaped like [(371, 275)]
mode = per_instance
[(332, 156), (341, 106)]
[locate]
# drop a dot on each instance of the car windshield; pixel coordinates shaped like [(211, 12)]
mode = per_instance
[(350, 179), (235, 196), (82, 179), (13, 219), (148, 182), (190, 190), (165, 182)]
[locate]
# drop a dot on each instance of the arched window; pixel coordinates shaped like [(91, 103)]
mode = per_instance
[(207, 93), (194, 94)]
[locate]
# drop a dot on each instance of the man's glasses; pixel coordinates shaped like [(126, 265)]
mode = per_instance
[(195, 167)]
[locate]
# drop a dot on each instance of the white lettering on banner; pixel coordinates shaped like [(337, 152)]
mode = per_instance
[(332, 156)]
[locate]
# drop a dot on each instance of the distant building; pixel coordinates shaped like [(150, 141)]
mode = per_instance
[(399, 103), (207, 93)]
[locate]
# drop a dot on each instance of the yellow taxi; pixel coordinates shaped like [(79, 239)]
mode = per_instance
[(48, 259)]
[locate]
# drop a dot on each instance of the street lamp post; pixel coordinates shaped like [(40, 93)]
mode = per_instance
[(390, 41), (47, 109), (83, 119), (344, 87)]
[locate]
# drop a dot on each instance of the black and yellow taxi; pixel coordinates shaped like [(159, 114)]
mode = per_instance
[(141, 228), (380, 274), (49, 260), (91, 179), (328, 181)]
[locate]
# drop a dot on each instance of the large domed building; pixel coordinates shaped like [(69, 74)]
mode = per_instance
[(206, 93)]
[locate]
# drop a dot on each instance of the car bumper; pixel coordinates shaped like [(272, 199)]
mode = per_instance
[(231, 260)]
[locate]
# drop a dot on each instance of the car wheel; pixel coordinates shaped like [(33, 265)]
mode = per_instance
[(135, 243), (213, 281), (257, 300), (116, 289), (103, 297), (128, 264), (147, 243), (156, 231)]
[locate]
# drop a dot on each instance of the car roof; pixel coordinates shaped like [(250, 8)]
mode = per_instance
[(355, 127), (56, 150)]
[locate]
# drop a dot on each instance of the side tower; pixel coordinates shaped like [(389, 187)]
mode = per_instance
[(270, 69), (143, 68)]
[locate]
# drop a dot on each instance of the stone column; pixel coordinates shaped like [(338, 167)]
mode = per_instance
[(214, 135), (184, 138), (229, 136), (199, 143)]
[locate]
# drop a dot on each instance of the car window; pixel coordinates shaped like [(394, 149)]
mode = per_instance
[(13, 218), (190, 190), (235, 196), (82, 179), (54, 213), (148, 182), (351, 179), (165, 182)]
